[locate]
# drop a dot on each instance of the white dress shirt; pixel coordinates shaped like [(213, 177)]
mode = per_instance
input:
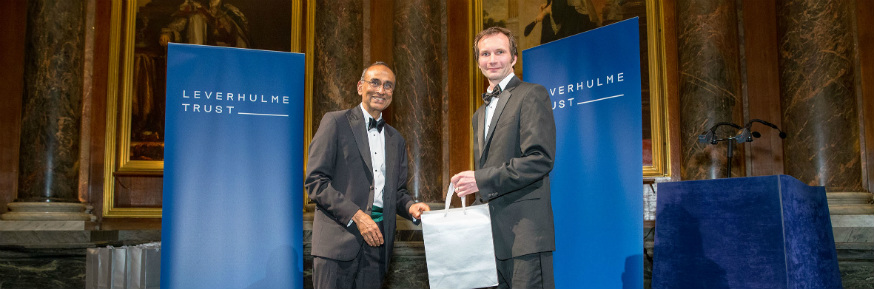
[(490, 108), (376, 139)]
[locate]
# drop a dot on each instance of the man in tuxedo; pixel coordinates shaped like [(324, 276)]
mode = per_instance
[(513, 155), (356, 176)]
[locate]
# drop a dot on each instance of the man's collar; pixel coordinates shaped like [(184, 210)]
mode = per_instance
[(504, 82), (367, 114)]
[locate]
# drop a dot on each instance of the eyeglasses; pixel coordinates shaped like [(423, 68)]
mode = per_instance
[(376, 83)]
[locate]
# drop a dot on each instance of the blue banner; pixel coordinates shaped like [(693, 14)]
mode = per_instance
[(233, 191), (594, 81)]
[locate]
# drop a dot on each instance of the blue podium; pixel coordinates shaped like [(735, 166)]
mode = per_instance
[(757, 232)]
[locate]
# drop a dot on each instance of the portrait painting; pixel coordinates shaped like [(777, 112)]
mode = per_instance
[(536, 22), (264, 24), (140, 31)]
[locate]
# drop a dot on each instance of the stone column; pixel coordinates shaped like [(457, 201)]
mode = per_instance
[(418, 99), (818, 98), (710, 89), (51, 114), (338, 57)]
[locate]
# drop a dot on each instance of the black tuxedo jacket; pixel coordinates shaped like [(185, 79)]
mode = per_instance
[(512, 169), (339, 181)]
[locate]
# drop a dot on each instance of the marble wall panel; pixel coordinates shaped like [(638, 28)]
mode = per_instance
[(42, 268), (710, 87), (417, 108), (337, 57), (13, 18), (52, 102), (818, 98)]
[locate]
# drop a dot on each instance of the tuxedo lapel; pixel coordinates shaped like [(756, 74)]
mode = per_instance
[(391, 162), (480, 121), (356, 122), (503, 98), (502, 102)]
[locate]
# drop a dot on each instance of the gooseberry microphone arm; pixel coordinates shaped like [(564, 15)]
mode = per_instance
[(746, 135)]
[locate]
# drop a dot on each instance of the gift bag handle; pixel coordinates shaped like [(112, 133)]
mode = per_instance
[(449, 194)]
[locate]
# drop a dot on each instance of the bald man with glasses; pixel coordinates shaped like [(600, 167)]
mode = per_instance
[(356, 176)]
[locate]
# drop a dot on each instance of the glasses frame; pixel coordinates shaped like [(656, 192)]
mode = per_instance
[(375, 83)]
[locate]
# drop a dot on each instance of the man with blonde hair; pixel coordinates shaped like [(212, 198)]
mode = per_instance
[(514, 149)]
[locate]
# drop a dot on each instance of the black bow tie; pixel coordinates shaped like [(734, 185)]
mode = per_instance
[(487, 97), (376, 124)]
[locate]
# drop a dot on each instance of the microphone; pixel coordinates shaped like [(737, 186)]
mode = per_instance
[(782, 134), (746, 136), (709, 136)]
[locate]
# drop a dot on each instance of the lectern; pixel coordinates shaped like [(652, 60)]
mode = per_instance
[(756, 232)]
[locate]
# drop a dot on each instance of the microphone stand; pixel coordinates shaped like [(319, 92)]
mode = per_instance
[(729, 153), (709, 137), (745, 135)]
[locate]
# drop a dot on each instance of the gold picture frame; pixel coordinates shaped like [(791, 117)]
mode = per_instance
[(133, 42), (519, 16)]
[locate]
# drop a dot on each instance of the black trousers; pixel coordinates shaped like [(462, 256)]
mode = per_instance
[(365, 271), (528, 271)]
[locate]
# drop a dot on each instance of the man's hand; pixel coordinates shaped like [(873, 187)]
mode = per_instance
[(465, 183), (544, 9), (417, 209), (164, 40), (368, 228)]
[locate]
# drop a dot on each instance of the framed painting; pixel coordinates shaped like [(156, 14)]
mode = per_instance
[(536, 22), (139, 33)]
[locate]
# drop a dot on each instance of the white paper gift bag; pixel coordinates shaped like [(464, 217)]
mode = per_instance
[(92, 267), (459, 250), (145, 266), (119, 268), (103, 272)]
